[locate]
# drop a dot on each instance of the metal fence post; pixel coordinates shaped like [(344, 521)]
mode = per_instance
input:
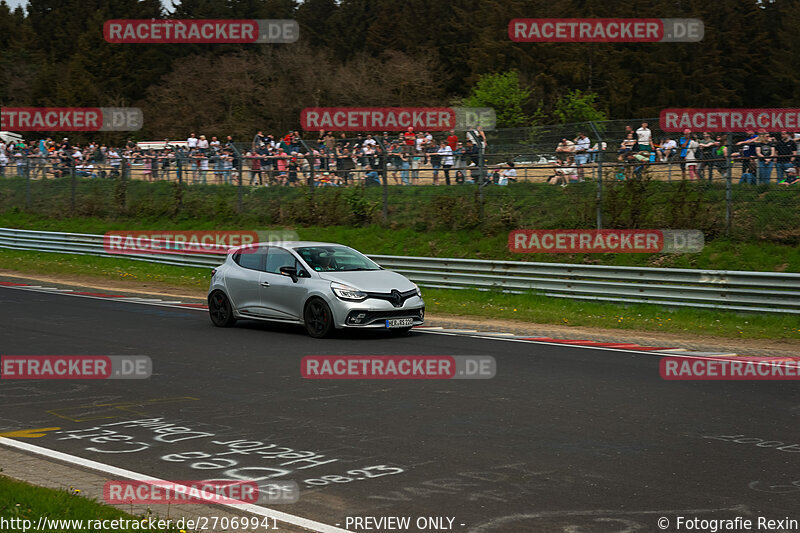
[(384, 167), (600, 188), (73, 185), (481, 180), (28, 192), (240, 161), (728, 187)]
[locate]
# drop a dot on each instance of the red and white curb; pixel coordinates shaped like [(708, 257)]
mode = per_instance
[(578, 342)]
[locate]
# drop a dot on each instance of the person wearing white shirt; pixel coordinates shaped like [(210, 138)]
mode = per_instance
[(191, 142), (668, 147), (644, 138), (3, 161), (582, 145), (508, 174), (447, 160)]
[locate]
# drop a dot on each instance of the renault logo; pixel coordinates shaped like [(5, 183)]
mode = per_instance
[(397, 299)]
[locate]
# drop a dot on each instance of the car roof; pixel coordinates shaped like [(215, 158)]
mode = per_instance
[(289, 244)]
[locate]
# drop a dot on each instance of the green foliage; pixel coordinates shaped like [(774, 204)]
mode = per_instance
[(577, 106), (362, 209), (24, 502), (414, 52), (503, 92)]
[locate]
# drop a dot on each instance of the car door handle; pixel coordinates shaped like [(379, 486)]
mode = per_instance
[(265, 283)]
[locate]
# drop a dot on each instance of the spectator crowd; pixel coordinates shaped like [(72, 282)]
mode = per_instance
[(338, 160), (697, 154)]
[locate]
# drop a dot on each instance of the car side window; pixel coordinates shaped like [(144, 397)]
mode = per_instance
[(277, 258), (251, 258)]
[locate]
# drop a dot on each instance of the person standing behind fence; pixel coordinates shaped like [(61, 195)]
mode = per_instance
[(446, 154), (683, 143), (191, 142), (255, 168), (329, 150), (582, 146), (786, 152), (227, 167), (565, 150), (3, 160), (435, 160), (195, 162), (215, 163), (692, 146), (707, 148), (747, 153), (644, 137), (765, 151), (147, 173), (345, 165), (452, 140), (721, 156), (409, 138)]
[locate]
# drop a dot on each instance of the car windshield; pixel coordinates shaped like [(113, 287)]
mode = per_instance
[(335, 258)]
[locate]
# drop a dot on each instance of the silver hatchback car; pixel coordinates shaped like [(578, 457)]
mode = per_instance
[(322, 286)]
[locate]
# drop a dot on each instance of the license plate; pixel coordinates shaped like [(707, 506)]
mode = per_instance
[(399, 322)]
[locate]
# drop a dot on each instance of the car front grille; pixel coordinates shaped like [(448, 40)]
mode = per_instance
[(395, 297), (376, 316)]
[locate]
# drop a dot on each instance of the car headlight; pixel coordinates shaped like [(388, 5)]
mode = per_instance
[(345, 292), (419, 292)]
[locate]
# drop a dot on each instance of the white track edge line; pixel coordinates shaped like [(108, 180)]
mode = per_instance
[(121, 472), (123, 299)]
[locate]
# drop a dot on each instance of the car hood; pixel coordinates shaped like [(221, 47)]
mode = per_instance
[(370, 280)]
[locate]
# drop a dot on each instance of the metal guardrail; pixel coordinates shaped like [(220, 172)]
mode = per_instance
[(772, 292)]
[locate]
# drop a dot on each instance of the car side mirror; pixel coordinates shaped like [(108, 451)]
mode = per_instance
[(291, 272)]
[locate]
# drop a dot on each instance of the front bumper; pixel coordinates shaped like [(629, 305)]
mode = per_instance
[(373, 313)]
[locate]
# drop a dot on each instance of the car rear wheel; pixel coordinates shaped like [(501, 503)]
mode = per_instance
[(318, 318), (220, 310)]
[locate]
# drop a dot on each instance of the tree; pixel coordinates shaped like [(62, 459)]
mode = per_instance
[(501, 91), (577, 106)]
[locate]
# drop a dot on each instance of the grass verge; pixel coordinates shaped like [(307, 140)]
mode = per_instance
[(526, 307), (22, 505), (718, 254)]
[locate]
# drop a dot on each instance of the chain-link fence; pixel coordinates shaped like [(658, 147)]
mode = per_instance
[(587, 175)]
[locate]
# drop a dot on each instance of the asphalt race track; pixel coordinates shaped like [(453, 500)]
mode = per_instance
[(562, 439)]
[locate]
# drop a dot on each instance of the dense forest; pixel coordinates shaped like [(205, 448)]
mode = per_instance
[(390, 53)]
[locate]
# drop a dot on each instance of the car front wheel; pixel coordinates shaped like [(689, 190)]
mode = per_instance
[(220, 310), (318, 318)]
